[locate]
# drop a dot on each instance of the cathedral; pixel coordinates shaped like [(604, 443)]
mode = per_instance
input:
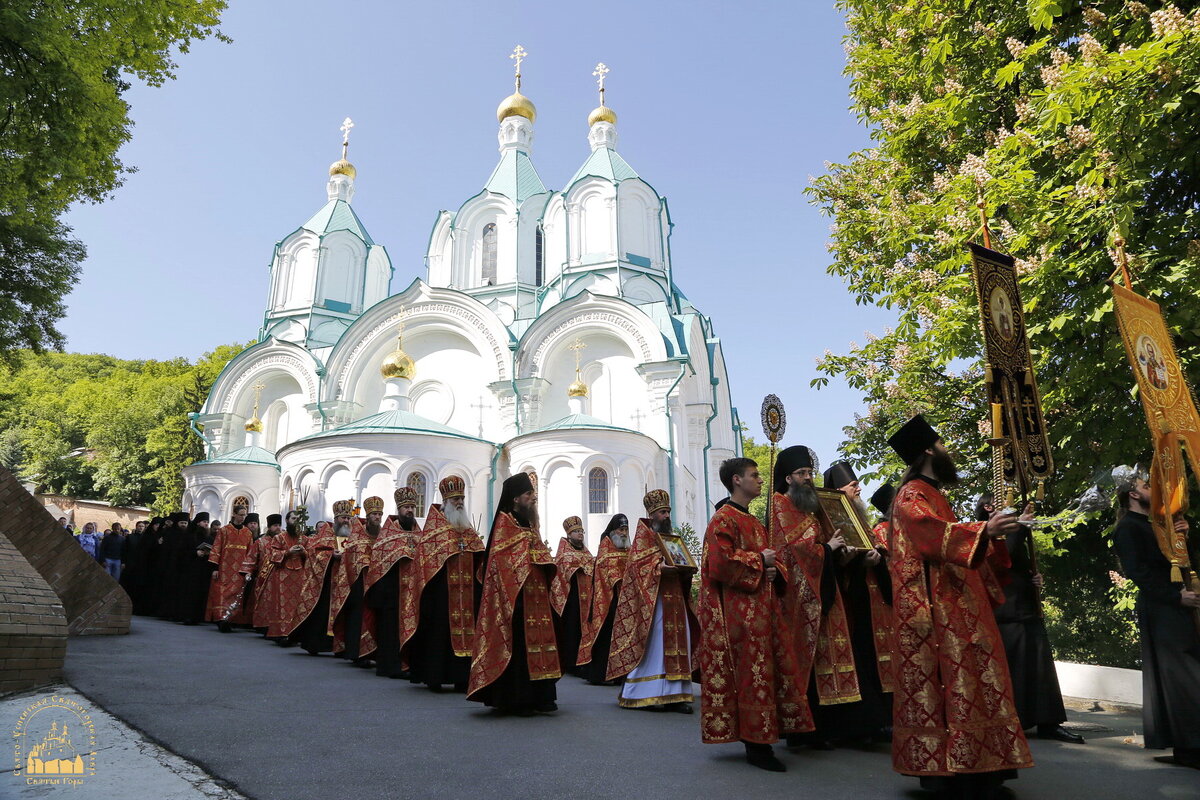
[(547, 335)]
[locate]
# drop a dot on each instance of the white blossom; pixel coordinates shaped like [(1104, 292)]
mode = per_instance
[(1167, 21)]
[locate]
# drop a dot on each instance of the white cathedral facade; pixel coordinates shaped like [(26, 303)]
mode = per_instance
[(548, 335)]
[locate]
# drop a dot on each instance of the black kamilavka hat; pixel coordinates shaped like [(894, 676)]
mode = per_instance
[(839, 474), (913, 439)]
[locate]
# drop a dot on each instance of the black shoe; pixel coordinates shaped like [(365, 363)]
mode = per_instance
[(763, 757), (224, 627), (1180, 759), (681, 707), (1059, 733), (546, 708), (436, 688)]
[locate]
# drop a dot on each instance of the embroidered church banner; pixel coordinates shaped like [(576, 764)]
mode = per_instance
[(1010, 377), (1170, 410)]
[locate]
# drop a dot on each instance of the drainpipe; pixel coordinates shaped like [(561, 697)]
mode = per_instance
[(715, 381), (671, 430), (191, 417), (516, 394), (320, 405), (492, 480)]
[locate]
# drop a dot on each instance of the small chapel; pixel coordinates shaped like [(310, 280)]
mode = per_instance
[(546, 334)]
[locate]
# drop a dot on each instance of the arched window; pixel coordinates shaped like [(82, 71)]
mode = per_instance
[(416, 482), (597, 491), (539, 256), (241, 501), (488, 251)]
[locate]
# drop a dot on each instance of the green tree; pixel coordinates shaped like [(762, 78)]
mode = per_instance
[(100, 427), (1070, 119), (64, 70)]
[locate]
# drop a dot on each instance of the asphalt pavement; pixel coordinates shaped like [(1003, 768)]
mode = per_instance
[(275, 722)]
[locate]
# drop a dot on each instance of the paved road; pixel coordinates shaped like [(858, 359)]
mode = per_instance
[(278, 723)]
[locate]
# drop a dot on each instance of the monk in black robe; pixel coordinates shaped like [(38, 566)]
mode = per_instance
[(195, 573), (1026, 643), (1166, 613)]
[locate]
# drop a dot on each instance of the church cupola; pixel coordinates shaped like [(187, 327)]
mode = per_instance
[(602, 122), (398, 371), (328, 271), (489, 246), (516, 113)]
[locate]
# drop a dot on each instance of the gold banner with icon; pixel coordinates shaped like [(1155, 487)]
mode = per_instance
[(1170, 415)]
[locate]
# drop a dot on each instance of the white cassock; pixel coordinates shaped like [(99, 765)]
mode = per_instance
[(647, 684)]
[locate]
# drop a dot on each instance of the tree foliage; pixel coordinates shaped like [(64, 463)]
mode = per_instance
[(104, 428), (1072, 119), (64, 70)]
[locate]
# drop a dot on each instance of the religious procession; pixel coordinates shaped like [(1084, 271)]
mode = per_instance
[(374, 482), (817, 629)]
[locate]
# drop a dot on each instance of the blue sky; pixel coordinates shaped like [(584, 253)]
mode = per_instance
[(726, 109)]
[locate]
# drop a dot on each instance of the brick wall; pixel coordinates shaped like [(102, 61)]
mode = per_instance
[(33, 626), (93, 602)]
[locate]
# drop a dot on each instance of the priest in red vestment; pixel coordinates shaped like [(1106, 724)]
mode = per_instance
[(351, 623), (955, 722), (389, 577), (437, 617), (655, 631), (752, 690), (226, 597), (811, 554), (284, 578), (596, 642), (257, 568), (571, 591), (516, 665), (309, 622)]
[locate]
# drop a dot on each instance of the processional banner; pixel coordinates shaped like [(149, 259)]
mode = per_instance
[(1010, 378), (1171, 416)]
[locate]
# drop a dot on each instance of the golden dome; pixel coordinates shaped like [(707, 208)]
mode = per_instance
[(602, 114), (254, 425), (342, 167), (398, 365), (516, 105), (577, 389)]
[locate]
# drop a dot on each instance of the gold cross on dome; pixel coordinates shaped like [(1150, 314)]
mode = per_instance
[(346, 125), (600, 73), (576, 346), (518, 55), (258, 389)]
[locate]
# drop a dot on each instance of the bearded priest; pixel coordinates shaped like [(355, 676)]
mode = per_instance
[(350, 622), (437, 617), (571, 591), (389, 576), (812, 555), (515, 664), (955, 722), (611, 558), (655, 631)]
